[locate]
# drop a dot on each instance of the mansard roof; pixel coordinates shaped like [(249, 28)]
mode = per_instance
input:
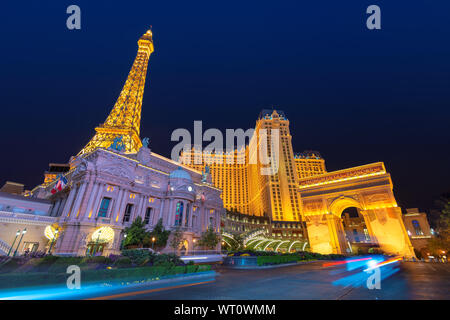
[(269, 112)]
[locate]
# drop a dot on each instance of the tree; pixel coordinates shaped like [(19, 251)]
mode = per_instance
[(136, 233), (160, 234), (209, 239), (237, 243), (176, 239), (441, 242)]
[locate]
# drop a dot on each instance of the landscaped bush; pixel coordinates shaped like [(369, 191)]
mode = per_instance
[(123, 262), (270, 257), (139, 257), (97, 259), (268, 260), (167, 260)]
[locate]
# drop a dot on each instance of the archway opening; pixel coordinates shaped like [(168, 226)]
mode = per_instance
[(357, 235)]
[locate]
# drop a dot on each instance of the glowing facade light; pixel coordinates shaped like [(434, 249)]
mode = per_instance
[(50, 232), (103, 234)]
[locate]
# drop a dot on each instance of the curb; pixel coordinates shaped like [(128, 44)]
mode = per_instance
[(270, 266)]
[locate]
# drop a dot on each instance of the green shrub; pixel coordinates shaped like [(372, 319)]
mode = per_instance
[(139, 257), (97, 259), (122, 262), (267, 260), (47, 260), (167, 260)]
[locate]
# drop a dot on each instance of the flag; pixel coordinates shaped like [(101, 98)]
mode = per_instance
[(59, 185)]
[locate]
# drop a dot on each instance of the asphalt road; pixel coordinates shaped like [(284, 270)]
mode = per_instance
[(415, 280)]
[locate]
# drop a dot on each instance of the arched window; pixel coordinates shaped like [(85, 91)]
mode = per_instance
[(417, 228), (179, 213)]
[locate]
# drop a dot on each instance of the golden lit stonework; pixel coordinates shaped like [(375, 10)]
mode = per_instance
[(124, 119)]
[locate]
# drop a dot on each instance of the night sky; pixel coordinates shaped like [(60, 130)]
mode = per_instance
[(357, 96)]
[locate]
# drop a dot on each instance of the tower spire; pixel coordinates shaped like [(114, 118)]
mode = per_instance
[(125, 117)]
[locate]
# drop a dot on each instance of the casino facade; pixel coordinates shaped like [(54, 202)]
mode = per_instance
[(116, 178)]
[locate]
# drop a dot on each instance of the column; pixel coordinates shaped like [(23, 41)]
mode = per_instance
[(161, 209), (92, 197), (80, 197), (121, 208), (191, 217), (97, 201), (169, 216), (69, 201), (116, 207)]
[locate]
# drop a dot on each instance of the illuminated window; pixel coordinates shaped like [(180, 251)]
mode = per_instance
[(179, 213), (417, 228), (366, 234), (104, 205), (355, 235)]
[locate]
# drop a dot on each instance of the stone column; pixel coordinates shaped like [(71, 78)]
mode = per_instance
[(161, 209), (387, 226), (319, 234), (191, 217), (69, 202), (92, 197), (97, 201), (115, 210), (122, 207), (78, 200), (337, 234)]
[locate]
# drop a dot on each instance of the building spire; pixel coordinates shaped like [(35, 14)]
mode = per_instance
[(125, 117)]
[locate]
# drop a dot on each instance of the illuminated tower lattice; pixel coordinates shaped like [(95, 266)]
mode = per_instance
[(124, 119)]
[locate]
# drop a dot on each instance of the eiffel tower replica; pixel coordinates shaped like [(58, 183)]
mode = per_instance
[(124, 120)]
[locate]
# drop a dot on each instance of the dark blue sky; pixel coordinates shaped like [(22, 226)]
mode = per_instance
[(357, 96)]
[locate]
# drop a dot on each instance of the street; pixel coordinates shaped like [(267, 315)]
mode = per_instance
[(415, 280)]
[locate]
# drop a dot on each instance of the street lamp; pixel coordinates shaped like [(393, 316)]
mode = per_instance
[(123, 240), (20, 240), (153, 241), (53, 240), (10, 248), (194, 241)]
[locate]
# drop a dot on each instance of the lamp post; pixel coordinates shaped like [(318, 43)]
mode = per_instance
[(20, 240), (96, 242), (194, 241), (10, 248), (123, 240), (153, 242), (53, 241)]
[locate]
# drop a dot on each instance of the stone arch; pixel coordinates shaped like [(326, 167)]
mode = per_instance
[(340, 204)]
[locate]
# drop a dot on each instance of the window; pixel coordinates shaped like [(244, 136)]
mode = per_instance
[(355, 235), (127, 215), (417, 228), (104, 205), (179, 213), (148, 213), (366, 235)]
